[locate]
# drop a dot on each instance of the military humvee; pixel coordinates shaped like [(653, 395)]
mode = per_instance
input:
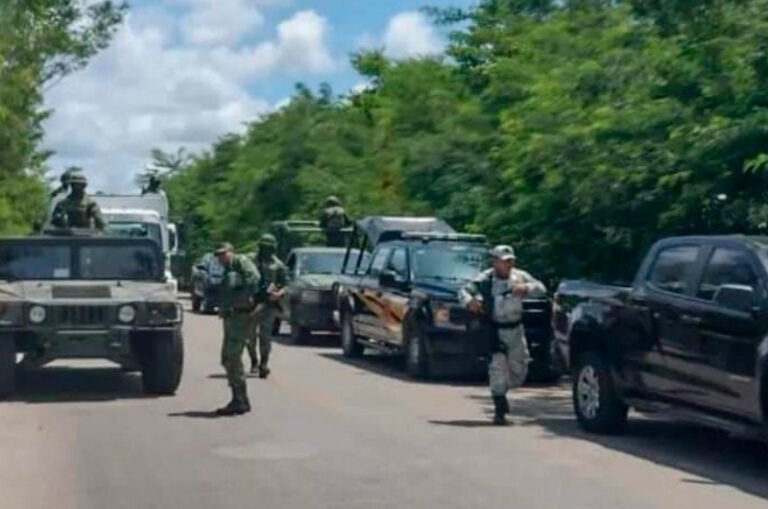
[(66, 295)]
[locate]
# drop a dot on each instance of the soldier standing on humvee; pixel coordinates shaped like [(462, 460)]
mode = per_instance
[(77, 210), (496, 297), (333, 220), (237, 303), (266, 317)]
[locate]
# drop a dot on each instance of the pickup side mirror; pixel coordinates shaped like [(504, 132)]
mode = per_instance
[(736, 297), (390, 279)]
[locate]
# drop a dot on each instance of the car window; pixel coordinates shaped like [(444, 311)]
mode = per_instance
[(673, 267), (726, 266), (399, 264), (379, 259)]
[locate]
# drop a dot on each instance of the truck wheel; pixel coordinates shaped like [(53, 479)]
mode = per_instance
[(417, 361), (162, 363), (349, 344), (7, 366), (299, 334), (598, 408), (195, 304)]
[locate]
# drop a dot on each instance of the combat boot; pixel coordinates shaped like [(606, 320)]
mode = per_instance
[(231, 407), (264, 371), (500, 410)]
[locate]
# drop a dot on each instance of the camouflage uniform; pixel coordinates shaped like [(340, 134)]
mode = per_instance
[(509, 350), (77, 210), (333, 219), (240, 280), (266, 318)]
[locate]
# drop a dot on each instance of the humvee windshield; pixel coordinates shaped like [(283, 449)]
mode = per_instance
[(67, 260)]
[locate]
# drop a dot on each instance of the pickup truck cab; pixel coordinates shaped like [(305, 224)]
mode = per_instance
[(688, 337)]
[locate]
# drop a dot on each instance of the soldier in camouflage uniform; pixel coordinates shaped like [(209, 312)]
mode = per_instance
[(77, 210), (240, 281), (266, 317), (333, 220), (497, 296)]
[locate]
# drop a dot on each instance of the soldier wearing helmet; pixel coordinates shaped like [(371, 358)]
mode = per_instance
[(77, 210), (267, 314), (333, 220)]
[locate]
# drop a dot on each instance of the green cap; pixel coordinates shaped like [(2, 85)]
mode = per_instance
[(224, 247)]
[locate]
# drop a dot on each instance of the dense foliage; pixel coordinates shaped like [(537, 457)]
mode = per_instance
[(41, 41), (579, 130)]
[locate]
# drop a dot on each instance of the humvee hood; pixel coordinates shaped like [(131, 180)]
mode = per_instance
[(87, 290)]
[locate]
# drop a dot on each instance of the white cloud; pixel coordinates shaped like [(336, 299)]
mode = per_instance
[(410, 34), (168, 81)]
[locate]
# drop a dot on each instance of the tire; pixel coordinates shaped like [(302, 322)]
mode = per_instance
[(417, 359), (195, 304), (595, 400), (162, 363), (350, 346), (7, 366), (299, 334)]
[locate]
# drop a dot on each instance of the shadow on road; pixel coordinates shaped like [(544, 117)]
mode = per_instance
[(197, 414), (68, 384), (392, 367), (314, 341), (709, 456)]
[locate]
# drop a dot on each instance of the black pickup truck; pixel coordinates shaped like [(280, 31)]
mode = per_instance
[(688, 337), (404, 302)]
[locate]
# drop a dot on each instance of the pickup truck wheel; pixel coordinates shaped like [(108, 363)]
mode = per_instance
[(195, 304), (299, 334), (417, 359), (7, 366), (162, 363), (598, 408), (349, 344)]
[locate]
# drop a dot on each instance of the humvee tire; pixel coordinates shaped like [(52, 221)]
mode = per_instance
[(7, 366), (162, 362)]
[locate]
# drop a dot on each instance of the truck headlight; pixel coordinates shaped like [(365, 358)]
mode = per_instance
[(37, 314), (126, 314), (310, 297), (165, 312)]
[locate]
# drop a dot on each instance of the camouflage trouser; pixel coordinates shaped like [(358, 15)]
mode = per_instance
[(236, 336), (508, 371), (260, 331)]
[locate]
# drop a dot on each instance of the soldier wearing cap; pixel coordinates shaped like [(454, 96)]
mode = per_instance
[(77, 210), (497, 296), (266, 319), (240, 281), (333, 220)]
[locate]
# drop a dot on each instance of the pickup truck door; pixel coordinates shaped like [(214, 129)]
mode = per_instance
[(395, 297), (669, 365), (727, 339), (369, 296)]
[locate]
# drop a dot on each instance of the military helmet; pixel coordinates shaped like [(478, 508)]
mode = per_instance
[(77, 177), (332, 201), (267, 240)]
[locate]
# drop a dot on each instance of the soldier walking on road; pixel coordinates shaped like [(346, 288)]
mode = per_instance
[(333, 220), (496, 297), (237, 303), (77, 210), (266, 317)]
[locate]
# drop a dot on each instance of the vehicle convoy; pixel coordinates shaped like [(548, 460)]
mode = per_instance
[(688, 337), (309, 302), (206, 280), (80, 296), (404, 302), (293, 234)]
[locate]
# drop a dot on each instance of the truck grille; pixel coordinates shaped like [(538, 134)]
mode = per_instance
[(80, 315)]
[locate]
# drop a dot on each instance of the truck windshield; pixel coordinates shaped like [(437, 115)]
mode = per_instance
[(43, 262), (324, 263), (448, 262), (135, 230)]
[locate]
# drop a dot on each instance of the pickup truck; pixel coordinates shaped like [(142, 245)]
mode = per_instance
[(687, 338), (404, 301)]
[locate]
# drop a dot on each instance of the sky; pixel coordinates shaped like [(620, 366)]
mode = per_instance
[(181, 73)]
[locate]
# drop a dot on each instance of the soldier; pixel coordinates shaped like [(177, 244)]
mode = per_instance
[(240, 281), (333, 219), (153, 185), (266, 318), (496, 297), (64, 183), (77, 210)]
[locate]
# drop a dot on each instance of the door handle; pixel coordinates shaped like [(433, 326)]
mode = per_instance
[(690, 320)]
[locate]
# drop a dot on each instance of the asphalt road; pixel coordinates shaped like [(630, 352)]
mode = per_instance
[(330, 433)]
